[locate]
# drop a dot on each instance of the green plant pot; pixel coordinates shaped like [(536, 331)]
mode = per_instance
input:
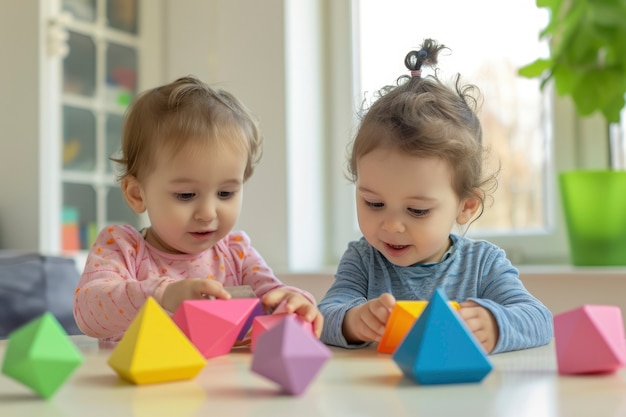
[(594, 204)]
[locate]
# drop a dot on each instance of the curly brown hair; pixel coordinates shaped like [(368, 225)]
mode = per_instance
[(182, 112), (424, 117)]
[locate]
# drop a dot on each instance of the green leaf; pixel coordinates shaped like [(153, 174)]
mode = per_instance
[(564, 80), (612, 110), (535, 69), (607, 14), (587, 59), (551, 4), (600, 90)]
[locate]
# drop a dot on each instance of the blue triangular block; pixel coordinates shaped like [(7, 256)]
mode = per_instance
[(440, 349)]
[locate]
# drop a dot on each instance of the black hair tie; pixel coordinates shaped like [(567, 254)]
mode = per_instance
[(414, 60)]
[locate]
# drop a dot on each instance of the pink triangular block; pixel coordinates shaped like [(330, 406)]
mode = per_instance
[(289, 355), (590, 339), (265, 322), (214, 325), (247, 326)]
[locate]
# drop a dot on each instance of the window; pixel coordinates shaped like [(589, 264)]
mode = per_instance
[(489, 40)]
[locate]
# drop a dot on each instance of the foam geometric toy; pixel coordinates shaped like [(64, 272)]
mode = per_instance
[(245, 291), (289, 355), (440, 349), (265, 322), (213, 326), (402, 317), (590, 339), (40, 355), (244, 333), (154, 349)]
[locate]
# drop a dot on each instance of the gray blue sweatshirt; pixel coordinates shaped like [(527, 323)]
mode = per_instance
[(473, 270)]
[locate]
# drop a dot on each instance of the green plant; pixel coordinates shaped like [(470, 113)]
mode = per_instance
[(587, 56), (587, 62)]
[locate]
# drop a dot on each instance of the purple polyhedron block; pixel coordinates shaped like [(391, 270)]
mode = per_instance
[(289, 355), (264, 322), (590, 339)]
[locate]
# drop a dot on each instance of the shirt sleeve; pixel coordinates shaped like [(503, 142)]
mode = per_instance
[(347, 291), (109, 293), (249, 268), (523, 321)]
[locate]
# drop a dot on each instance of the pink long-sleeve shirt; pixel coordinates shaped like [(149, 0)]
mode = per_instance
[(122, 270)]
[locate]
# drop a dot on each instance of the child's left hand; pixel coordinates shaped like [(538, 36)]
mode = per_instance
[(294, 302), (481, 322)]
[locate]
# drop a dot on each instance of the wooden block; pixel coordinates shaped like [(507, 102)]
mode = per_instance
[(40, 355), (289, 355), (154, 349), (440, 349), (241, 291), (590, 339)]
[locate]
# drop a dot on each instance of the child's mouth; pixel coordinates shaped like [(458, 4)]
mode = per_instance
[(201, 235), (396, 247)]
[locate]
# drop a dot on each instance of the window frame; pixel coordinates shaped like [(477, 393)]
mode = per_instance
[(569, 150)]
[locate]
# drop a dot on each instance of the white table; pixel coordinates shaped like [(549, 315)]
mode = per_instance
[(352, 383)]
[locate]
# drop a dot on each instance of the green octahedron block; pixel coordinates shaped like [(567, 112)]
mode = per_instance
[(41, 356)]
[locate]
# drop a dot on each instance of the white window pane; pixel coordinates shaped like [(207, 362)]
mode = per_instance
[(489, 40)]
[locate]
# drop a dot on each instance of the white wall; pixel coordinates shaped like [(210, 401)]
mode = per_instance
[(242, 46), (19, 124)]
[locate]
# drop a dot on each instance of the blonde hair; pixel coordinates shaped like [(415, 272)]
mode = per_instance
[(183, 112)]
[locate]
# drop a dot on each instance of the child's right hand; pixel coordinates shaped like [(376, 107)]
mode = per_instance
[(366, 323), (191, 289)]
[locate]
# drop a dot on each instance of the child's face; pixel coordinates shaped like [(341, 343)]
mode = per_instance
[(193, 199), (406, 205)]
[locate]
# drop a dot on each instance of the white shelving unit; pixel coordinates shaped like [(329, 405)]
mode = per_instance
[(226, 43), (66, 84), (99, 79)]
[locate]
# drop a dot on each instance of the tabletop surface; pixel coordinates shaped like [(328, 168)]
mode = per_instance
[(352, 383)]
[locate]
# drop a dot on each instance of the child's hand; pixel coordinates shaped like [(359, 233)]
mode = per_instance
[(294, 302), (481, 322), (366, 323), (191, 289)]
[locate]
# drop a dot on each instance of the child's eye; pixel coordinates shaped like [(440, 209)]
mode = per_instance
[(184, 196), (225, 195), (374, 204), (419, 212)]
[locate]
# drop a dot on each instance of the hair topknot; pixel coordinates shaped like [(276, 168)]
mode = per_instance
[(428, 118), (427, 54)]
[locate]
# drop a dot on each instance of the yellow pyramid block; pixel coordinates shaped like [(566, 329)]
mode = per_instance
[(154, 349), (403, 315)]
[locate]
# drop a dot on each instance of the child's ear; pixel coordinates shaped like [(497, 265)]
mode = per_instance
[(133, 194), (470, 206)]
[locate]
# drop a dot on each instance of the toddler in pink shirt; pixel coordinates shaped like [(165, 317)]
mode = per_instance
[(187, 150)]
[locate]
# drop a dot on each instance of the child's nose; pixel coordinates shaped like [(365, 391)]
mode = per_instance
[(206, 211), (393, 224)]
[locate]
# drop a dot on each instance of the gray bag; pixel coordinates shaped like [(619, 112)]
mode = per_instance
[(32, 284)]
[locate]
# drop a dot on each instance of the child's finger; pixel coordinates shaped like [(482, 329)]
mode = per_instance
[(380, 309), (273, 298), (318, 324), (210, 288), (388, 301)]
